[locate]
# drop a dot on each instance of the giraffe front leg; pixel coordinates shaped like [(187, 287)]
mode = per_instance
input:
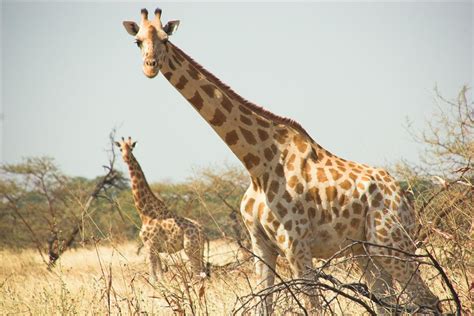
[(265, 264), (301, 263), (155, 264)]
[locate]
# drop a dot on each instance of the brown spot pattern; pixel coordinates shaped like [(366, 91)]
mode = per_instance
[(218, 119), (300, 142), (268, 153), (226, 103), (274, 148), (251, 161), (270, 217), (331, 193), (346, 184), (244, 110), (262, 122), (340, 228), (281, 135), (282, 211), (265, 178), (299, 188), (176, 59), (209, 89), (321, 175), (279, 170), (273, 190), (287, 196), (196, 101), (170, 63), (244, 119), (290, 164), (249, 137), (372, 188), (249, 206), (326, 217), (335, 174), (313, 195), (193, 72), (181, 83), (262, 134), (261, 207), (306, 170), (357, 208), (177, 56), (231, 138), (355, 222), (293, 181)]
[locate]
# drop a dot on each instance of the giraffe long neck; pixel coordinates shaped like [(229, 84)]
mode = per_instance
[(147, 204), (252, 133)]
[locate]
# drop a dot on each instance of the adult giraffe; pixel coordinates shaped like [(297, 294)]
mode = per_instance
[(303, 201)]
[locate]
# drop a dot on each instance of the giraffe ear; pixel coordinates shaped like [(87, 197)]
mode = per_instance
[(171, 27), (131, 27), (117, 144), (133, 145)]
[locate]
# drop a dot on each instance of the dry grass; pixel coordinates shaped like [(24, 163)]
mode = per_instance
[(114, 280), (86, 280)]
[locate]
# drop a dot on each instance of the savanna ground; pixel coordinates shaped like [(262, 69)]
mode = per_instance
[(113, 279), (68, 245)]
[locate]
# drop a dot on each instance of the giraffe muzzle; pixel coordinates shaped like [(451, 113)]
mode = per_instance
[(150, 68)]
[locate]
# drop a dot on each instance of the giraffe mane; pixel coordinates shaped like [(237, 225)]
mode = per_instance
[(234, 95)]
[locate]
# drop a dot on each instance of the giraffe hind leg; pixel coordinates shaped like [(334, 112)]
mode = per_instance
[(385, 229), (300, 260), (265, 261)]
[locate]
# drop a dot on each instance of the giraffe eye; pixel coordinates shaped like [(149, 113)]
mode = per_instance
[(138, 42)]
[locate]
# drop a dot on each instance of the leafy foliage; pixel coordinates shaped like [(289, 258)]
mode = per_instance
[(37, 194), (442, 186)]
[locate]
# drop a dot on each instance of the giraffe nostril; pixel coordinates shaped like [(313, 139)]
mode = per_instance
[(151, 63)]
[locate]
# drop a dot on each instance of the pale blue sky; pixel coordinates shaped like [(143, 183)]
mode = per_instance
[(350, 73)]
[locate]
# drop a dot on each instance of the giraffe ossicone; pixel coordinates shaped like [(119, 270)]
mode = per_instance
[(162, 231), (303, 202)]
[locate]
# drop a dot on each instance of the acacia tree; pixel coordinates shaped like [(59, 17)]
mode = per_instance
[(34, 192), (444, 180), (442, 185), (50, 205), (448, 139), (219, 192)]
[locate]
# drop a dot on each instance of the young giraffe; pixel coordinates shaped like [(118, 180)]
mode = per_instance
[(303, 201), (162, 230)]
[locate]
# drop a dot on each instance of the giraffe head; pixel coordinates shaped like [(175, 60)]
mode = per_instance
[(126, 148), (151, 37)]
